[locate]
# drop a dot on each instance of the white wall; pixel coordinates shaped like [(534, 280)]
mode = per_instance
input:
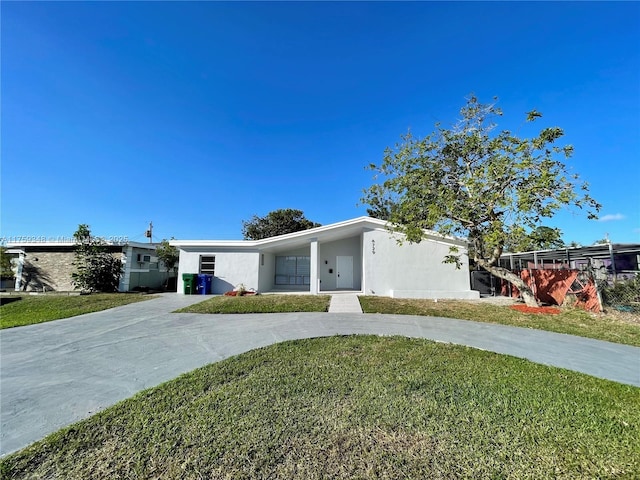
[(328, 252), (412, 270), (267, 272), (139, 274), (232, 268), (381, 267)]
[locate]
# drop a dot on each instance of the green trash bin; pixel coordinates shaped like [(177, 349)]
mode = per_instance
[(190, 281)]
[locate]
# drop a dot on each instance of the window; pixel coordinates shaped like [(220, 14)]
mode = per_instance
[(207, 264), (292, 270)]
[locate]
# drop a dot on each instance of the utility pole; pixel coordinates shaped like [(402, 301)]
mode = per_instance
[(149, 233)]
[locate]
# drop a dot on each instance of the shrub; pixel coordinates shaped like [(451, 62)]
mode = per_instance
[(624, 295)]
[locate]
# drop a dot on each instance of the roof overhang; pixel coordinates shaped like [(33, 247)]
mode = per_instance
[(327, 233), (576, 253)]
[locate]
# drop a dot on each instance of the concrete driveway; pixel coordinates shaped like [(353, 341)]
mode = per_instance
[(54, 374)]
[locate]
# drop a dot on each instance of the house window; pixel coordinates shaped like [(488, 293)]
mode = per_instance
[(293, 270), (207, 264)]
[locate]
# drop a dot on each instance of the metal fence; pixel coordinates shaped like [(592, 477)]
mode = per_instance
[(622, 295)]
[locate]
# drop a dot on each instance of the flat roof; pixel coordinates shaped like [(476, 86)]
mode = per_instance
[(575, 253), (67, 243)]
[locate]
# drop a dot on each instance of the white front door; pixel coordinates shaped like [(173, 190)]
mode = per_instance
[(344, 270)]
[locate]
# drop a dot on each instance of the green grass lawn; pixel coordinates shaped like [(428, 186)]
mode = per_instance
[(44, 308), (261, 304), (355, 407), (618, 329)]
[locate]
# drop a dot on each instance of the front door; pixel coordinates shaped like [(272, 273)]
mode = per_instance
[(344, 270)]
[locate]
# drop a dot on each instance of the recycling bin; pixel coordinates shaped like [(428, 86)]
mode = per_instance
[(204, 283), (190, 283)]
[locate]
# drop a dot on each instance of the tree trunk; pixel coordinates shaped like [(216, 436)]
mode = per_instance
[(526, 292)]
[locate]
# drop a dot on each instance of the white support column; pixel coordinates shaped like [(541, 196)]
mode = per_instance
[(313, 287), (363, 263), (20, 266)]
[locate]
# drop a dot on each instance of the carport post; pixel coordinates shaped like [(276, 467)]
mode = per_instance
[(613, 262)]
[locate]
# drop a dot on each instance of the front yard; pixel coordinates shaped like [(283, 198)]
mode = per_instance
[(261, 304), (618, 328), (33, 309), (355, 407)]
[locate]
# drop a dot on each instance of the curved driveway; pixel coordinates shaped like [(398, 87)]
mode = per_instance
[(54, 374)]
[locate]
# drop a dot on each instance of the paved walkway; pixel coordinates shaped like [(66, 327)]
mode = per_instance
[(345, 303), (56, 373)]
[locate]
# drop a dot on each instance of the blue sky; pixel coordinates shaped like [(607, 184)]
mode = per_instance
[(197, 116)]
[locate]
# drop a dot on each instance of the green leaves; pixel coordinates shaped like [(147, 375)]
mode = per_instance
[(277, 222), (471, 180), (532, 115), (540, 238), (97, 270), (168, 254), (6, 268)]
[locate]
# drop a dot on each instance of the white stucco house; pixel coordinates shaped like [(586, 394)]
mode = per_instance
[(359, 255)]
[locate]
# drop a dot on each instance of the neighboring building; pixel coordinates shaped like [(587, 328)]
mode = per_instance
[(359, 255), (618, 261), (47, 266)]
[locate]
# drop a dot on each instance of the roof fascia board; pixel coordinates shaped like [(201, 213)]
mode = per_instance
[(317, 232)]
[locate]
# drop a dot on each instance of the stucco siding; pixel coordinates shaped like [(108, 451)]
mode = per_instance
[(329, 251), (140, 274), (231, 268), (300, 252), (267, 272), (412, 270), (369, 258)]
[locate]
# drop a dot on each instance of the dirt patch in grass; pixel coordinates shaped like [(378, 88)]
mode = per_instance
[(535, 310)]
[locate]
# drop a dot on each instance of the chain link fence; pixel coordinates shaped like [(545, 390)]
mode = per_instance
[(623, 294)]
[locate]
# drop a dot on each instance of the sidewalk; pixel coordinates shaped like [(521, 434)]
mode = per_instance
[(345, 303)]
